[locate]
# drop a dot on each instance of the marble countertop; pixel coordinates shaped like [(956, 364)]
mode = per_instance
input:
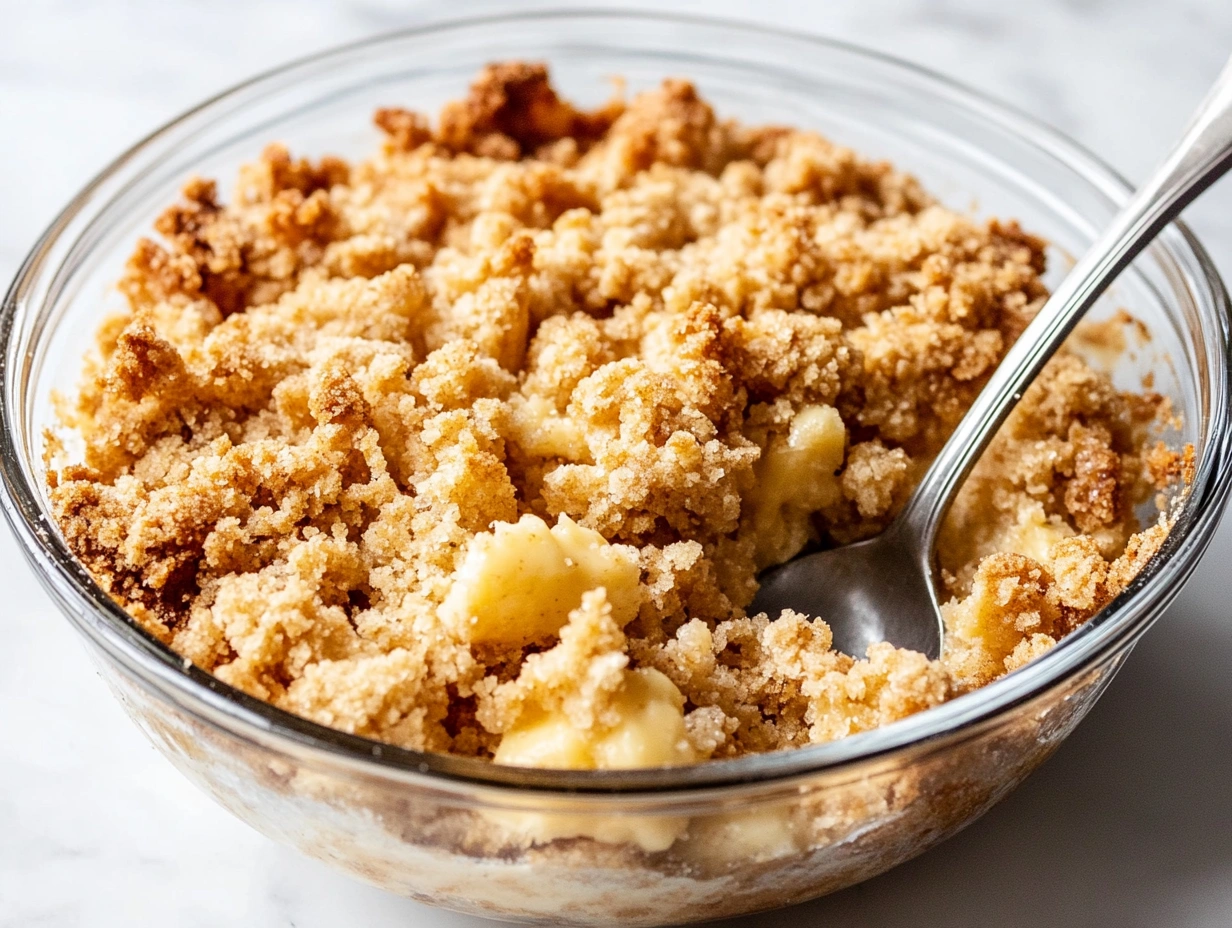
[(1129, 826)]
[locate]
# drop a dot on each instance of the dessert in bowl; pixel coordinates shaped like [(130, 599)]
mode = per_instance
[(477, 446)]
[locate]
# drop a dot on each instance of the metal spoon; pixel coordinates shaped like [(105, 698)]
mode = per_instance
[(885, 588)]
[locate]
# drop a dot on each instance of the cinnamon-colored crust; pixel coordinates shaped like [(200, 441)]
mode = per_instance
[(324, 390)]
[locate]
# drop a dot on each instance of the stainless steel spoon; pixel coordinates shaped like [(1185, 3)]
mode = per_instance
[(885, 589)]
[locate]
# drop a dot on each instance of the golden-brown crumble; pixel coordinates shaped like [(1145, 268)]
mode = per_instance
[(478, 445)]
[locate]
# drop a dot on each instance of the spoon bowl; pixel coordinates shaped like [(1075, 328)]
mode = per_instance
[(866, 584)]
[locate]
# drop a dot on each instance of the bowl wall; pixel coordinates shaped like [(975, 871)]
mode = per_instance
[(698, 857)]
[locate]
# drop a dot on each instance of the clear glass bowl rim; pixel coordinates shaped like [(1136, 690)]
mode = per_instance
[(95, 615)]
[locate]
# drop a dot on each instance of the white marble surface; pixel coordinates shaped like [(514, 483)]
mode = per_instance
[(1129, 826)]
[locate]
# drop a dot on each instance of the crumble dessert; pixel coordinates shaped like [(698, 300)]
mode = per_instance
[(479, 445)]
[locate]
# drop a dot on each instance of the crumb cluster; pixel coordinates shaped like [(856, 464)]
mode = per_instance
[(479, 445)]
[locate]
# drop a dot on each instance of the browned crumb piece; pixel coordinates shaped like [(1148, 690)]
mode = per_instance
[(1091, 495), (512, 110), (478, 445), (1166, 466)]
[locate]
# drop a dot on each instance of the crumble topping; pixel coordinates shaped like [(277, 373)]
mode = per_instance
[(479, 445)]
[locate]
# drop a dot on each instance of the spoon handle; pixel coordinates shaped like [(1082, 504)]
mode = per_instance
[(1203, 154)]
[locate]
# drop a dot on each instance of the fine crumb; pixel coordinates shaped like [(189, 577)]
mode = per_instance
[(478, 445)]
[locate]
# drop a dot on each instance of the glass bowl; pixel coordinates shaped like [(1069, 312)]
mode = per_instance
[(646, 846)]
